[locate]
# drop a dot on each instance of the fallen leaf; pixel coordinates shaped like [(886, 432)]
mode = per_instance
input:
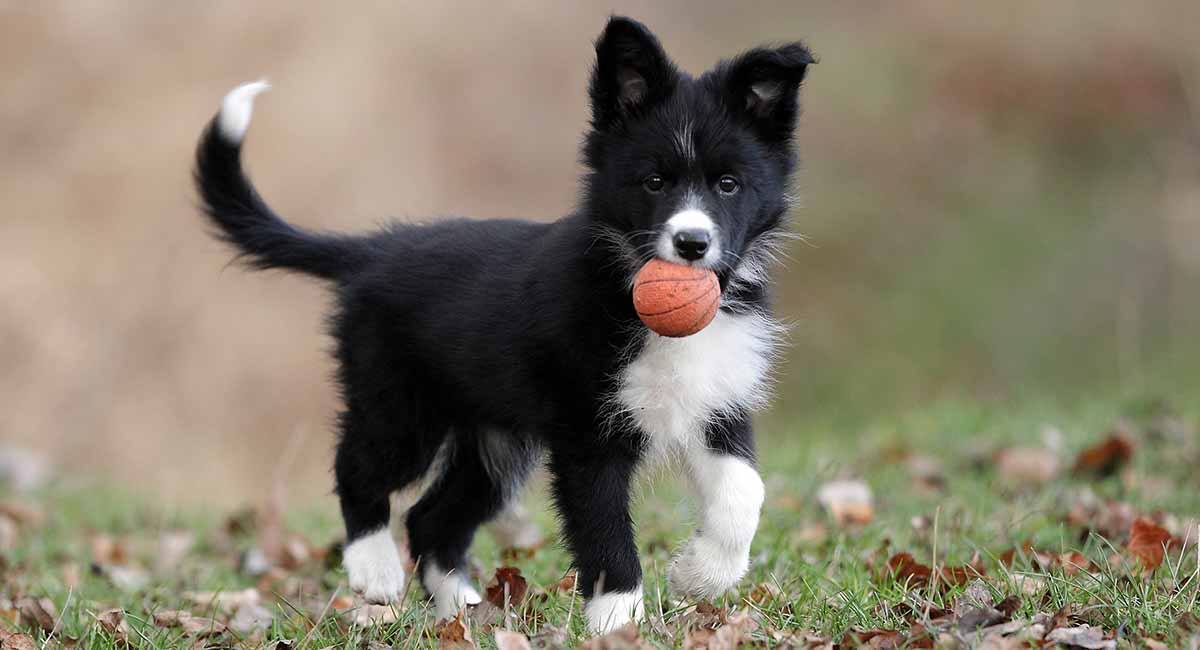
[(926, 473), (1148, 542), (1021, 466), (125, 578), (1106, 458), (8, 533), (908, 570), (848, 502), (1083, 636), (191, 625), (251, 617), (507, 588), (626, 637), (16, 641), (113, 622), (883, 639), (109, 550), (225, 601), (453, 634), (40, 611), (506, 640), (566, 585), (550, 637), (764, 592), (173, 546), (22, 513)]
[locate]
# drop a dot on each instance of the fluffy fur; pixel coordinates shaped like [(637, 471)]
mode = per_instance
[(490, 345)]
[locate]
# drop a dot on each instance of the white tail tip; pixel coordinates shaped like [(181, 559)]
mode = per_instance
[(236, 108)]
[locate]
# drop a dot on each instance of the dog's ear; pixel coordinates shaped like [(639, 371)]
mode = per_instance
[(632, 72), (763, 85)]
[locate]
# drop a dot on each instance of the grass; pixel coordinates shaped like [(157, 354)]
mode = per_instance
[(824, 578)]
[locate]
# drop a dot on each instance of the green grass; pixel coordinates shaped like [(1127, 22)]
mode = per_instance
[(830, 583)]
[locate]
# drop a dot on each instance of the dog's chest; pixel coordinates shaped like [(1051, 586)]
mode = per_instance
[(672, 387)]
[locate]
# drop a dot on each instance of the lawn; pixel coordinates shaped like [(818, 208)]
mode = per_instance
[(988, 525)]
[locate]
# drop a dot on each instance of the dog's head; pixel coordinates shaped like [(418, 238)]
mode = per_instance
[(693, 170)]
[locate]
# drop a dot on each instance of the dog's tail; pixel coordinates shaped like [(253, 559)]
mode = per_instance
[(244, 219)]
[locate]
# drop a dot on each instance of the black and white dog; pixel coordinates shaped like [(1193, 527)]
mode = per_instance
[(470, 350)]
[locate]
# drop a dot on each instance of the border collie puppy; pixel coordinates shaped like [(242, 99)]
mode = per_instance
[(469, 351)]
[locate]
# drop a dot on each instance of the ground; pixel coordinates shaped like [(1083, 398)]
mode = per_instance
[(1041, 523)]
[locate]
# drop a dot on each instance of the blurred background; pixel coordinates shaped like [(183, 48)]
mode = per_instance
[(1000, 201)]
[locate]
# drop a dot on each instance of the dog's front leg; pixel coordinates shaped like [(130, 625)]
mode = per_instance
[(729, 493), (591, 487)]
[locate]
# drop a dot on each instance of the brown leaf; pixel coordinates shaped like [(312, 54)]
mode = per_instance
[(453, 634), (764, 592), (1009, 606), (506, 640), (21, 513), (40, 611), (848, 502), (109, 550), (1021, 466), (1148, 542), (173, 546), (113, 622), (907, 569), (566, 585), (197, 626), (508, 588), (1106, 458), (16, 641), (882, 639), (1083, 636), (626, 637), (726, 637)]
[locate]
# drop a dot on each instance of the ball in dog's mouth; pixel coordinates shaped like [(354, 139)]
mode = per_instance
[(675, 300)]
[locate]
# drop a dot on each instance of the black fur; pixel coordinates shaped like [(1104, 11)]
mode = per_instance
[(508, 336)]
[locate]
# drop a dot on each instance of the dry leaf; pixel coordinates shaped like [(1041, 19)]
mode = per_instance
[(567, 584), (1083, 636), (453, 634), (40, 611), (726, 637), (225, 601), (173, 546), (113, 622), (1148, 542), (848, 502), (16, 641), (507, 588), (1105, 458), (506, 640), (109, 550), (191, 625), (626, 637), (23, 514), (883, 639), (251, 617), (908, 570), (1020, 466), (764, 592)]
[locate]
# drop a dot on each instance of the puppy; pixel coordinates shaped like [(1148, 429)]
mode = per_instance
[(470, 351)]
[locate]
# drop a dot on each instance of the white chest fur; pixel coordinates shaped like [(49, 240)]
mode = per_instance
[(672, 387)]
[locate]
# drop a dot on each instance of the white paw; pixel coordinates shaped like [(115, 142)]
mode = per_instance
[(706, 569), (374, 568), (607, 612), (451, 591)]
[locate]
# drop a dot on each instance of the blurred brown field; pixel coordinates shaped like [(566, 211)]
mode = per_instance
[(998, 200)]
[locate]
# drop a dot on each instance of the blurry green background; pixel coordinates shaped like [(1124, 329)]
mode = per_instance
[(1001, 202)]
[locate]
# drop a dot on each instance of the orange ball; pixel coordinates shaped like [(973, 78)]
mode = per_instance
[(675, 300)]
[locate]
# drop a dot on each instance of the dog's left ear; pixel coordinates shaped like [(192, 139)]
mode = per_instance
[(763, 85)]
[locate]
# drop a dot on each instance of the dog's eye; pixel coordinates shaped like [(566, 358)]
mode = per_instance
[(654, 183), (727, 185)]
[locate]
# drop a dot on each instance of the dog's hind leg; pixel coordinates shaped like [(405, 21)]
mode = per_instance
[(482, 471), (373, 460)]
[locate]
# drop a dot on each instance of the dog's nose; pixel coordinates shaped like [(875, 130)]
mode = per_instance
[(692, 243)]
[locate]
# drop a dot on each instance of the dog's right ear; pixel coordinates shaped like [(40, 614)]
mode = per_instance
[(632, 72)]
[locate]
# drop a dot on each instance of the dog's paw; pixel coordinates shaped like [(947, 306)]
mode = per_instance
[(374, 568), (451, 591), (609, 611), (705, 569)]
